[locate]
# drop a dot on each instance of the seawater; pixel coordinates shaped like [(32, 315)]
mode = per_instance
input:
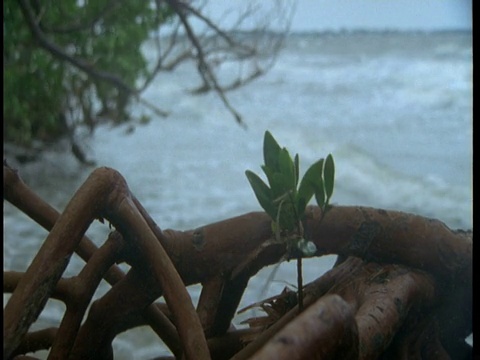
[(394, 109)]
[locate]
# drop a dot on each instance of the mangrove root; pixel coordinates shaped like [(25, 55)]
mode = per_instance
[(401, 288)]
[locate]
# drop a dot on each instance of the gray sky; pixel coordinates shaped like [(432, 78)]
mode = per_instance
[(318, 15)]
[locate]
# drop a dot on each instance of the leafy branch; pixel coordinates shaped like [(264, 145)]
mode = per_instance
[(285, 201), (79, 64)]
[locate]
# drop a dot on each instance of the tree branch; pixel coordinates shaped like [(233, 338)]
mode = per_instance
[(203, 67), (58, 52), (81, 64)]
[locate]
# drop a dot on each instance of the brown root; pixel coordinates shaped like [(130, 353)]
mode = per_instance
[(402, 287)]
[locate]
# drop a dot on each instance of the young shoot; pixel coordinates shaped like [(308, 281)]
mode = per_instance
[(285, 197)]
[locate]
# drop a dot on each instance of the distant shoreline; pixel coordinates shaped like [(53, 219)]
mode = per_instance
[(377, 31), (340, 32)]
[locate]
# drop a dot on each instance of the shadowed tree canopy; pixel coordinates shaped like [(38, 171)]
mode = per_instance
[(77, 64)]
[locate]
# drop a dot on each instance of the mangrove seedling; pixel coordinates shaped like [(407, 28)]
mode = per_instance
[(285, 201)]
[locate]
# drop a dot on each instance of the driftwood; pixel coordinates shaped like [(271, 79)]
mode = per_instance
[(402, 287)]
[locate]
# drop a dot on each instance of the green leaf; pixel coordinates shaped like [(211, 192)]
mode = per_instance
[(262, 192), (297, 170), (287, 168), (271, 151), (308, 185), (329, 176), (287, 216), (281, 185), (269, 173), (320, 193)]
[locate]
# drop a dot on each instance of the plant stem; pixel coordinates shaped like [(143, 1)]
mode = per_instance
[(300, 284)]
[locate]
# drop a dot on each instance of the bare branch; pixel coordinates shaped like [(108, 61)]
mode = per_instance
[(203, 67)]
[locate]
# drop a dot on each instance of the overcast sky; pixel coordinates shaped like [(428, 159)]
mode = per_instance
[(318, 15)]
